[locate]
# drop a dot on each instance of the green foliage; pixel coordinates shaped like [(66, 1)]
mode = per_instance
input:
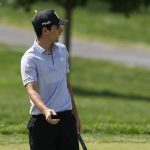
[(72, 3), (121, 6), (127, 6), (25, 3)]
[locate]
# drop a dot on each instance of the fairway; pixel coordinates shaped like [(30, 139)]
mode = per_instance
[(91, 146), (116, 96)]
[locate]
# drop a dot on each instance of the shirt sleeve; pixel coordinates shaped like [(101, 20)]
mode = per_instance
[(28, 70)]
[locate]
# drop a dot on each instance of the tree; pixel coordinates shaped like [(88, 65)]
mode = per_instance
[(68, 5), (127, 6)]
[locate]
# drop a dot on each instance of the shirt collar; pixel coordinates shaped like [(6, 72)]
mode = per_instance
[(41, 49), (38, 47)]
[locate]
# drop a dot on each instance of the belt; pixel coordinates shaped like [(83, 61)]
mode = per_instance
[(59, 114)]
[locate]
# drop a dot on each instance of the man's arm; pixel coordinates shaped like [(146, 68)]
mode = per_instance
[(32, 90), (74, 108)]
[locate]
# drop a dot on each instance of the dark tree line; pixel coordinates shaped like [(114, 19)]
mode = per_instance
[(127, 6)]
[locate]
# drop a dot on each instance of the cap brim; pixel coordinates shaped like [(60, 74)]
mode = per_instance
[(63, 22)]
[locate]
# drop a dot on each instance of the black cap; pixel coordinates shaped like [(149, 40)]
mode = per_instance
[(47, 18)]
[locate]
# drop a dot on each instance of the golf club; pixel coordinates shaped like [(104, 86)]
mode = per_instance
[(82, 142)]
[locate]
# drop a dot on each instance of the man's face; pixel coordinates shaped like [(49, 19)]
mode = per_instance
[(55, 32)]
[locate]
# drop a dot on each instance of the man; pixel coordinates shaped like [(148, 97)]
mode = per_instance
[(54, 123)]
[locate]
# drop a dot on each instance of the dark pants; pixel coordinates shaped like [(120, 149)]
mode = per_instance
[(62, 136)]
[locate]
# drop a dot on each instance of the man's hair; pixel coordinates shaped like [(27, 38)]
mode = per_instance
[(38, 30), (38, 20)]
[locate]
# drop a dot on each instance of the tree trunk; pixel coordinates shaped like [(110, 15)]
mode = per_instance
[(68, 11)]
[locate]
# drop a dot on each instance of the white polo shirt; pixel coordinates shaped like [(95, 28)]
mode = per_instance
[(49, 71)]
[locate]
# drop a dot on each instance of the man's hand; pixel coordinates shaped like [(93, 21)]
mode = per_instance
[(48, 114)]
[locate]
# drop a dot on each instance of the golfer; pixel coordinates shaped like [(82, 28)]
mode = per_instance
[(54, 122)]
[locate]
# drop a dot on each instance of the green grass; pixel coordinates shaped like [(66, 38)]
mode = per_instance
[(113, 100), (95, 146), (117, 97), (92, 22), (19, 17)]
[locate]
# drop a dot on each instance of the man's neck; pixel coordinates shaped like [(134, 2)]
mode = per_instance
[(45, 44)]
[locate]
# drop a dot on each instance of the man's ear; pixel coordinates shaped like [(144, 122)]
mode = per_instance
[(44, 30)]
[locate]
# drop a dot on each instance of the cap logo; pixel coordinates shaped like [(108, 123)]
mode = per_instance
[(46, 23)]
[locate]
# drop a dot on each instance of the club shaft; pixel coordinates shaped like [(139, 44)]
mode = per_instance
[(82, 142)]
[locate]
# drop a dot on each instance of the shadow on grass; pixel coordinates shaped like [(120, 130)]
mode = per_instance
[(107, 93)]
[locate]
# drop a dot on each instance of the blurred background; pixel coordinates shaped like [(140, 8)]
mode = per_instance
[(109, 46)]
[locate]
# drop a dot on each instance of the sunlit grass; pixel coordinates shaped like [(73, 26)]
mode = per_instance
[(94, 145)]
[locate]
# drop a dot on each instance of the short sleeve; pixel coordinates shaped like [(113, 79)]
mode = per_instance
[(28, 70)]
